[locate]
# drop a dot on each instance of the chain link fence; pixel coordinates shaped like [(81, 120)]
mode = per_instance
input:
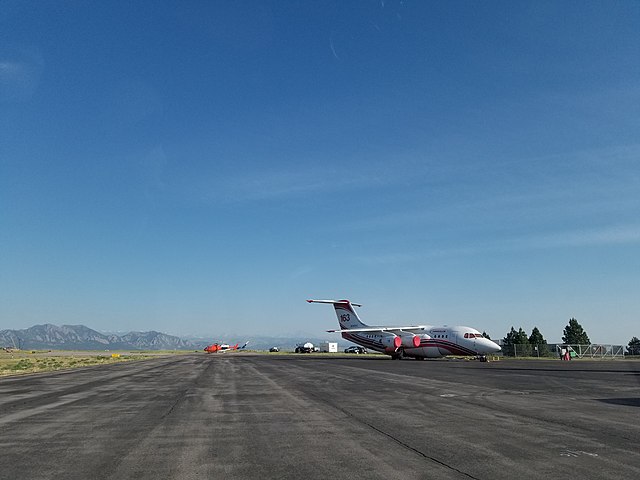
[(556, 350)]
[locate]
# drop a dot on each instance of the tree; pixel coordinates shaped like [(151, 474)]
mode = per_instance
[(516, 343), (486, 335), (574, 334), (538, 342), (634, 346)]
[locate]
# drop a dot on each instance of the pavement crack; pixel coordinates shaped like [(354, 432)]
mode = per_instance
[(416, 451), (397, 440), (179, 400)]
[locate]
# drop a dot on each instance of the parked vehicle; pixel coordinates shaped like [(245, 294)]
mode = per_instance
[(306, 348), (274, 349), (329, 347), (355, 349)]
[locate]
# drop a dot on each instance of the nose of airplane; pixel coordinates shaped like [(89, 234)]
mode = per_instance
[(492, 346)]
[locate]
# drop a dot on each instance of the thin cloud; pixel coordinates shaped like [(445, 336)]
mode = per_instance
[(333, 49), (406, 258), (20, 72), (281, 184), (598, 237), (560, 187), (605, 236), (300, 272)]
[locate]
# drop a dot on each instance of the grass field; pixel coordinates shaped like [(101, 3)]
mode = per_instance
[(34, 361), (19, 363)]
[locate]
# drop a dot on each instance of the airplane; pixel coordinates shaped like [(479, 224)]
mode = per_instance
[(416, 341), (223, 347)]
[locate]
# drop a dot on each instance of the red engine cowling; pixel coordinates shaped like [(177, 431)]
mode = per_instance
[(391, 343), (409, 340)]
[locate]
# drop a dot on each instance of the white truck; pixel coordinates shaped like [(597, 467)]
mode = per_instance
[(329, 347)]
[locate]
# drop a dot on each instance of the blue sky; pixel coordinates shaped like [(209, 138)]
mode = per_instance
[(204, 167)]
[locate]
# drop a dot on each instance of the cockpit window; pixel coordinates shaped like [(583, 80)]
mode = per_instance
[(472, 335)]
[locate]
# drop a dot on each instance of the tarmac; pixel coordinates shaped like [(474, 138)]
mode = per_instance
[(245, 416)]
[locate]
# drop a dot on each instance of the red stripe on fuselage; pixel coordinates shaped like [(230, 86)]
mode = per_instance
[(364, 341), (454, 348)]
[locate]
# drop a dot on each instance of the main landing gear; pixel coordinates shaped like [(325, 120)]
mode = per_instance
[(399, 355)]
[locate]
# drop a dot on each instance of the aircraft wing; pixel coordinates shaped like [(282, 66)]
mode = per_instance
[(381, 329)]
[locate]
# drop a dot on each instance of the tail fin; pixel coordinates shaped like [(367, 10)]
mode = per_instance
[(347, 316)]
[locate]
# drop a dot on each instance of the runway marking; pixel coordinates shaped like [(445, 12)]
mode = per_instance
[(577, 453)]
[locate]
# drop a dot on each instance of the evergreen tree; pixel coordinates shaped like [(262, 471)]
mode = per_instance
[(634, 346), (522, 337), (516, 343), (507, 342), (486, 335), (537, 340), (536, 337), (574, 334)]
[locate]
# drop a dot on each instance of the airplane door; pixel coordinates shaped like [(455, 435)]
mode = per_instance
[(472, 342), (452, 336), (466, 340)]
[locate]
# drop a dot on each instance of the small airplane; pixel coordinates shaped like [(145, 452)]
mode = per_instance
[(223, 347), (416, 341)]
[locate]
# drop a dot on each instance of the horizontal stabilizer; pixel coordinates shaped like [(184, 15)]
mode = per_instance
[(333, 302)]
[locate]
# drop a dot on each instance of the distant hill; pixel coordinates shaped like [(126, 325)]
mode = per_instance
[(79, 337)]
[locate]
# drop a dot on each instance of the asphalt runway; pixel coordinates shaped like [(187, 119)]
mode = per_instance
[(244, 416)]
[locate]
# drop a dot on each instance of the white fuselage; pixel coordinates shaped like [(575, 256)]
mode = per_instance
[(435, 342), (418, 341)]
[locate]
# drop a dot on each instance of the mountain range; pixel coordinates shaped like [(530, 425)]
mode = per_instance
[(79, 337)]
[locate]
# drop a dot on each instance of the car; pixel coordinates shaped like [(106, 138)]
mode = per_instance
[(355, 349), (274, 349)]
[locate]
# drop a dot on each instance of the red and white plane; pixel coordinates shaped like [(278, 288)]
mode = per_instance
[(223, 347), (417, 341)]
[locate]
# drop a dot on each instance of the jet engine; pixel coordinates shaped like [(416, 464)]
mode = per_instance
[(409, 340), (391, 343)]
